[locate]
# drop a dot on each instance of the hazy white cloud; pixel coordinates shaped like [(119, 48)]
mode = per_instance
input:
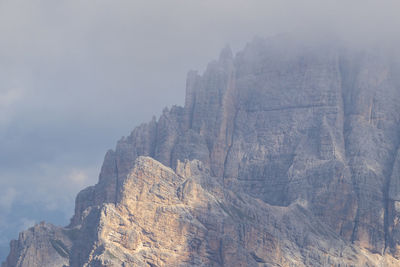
[(8, 103), (79, 177), (9, 97), (7, 198), (59, 184)]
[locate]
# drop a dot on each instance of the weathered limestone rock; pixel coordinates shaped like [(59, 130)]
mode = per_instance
[(42, 245), (163, 218), (295, 151), (187, 218)]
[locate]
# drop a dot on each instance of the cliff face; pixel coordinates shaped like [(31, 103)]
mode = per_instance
[(296, 162)]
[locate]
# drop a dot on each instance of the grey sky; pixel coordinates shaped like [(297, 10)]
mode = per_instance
[(77, 75)]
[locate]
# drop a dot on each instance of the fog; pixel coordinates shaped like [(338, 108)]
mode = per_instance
[(75, 76)]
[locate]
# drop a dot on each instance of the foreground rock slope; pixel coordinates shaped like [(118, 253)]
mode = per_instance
[(285, 155)]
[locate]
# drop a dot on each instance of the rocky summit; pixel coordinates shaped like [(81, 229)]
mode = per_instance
[(286, 154)]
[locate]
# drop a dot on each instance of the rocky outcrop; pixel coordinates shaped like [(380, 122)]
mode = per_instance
[(187, 218), (42, 245), (295, 151)]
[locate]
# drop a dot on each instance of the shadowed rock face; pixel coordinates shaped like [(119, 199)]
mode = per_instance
[(296, 163)]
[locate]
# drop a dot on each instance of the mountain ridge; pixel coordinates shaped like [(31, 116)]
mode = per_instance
[(281, 123)]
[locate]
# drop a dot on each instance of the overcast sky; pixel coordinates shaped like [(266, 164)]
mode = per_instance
[(75, 76)]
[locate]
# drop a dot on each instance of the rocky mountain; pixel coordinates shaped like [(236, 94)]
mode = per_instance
[(286, 154)]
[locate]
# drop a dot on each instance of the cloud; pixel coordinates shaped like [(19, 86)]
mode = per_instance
[(9, 97), (62, 181), (79, 177), (8, 100), (7, 198)]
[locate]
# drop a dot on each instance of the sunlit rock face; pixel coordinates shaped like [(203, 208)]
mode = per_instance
[(286, 154)]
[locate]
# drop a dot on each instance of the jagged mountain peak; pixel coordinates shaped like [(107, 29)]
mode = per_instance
[(283, 155)]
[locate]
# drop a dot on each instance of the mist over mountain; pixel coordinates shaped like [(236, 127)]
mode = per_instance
[(76, 75), (285, 154)]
